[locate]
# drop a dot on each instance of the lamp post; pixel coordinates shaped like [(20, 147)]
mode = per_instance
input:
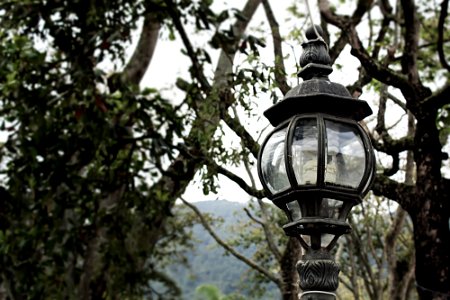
[(317, 164)]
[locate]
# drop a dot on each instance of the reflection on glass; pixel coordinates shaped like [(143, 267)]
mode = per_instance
[(345, 159), (294, 210), (273, 163), (304, 151), (330, 208)]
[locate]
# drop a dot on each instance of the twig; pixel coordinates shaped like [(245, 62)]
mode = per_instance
[(269, 275), (198, 69)]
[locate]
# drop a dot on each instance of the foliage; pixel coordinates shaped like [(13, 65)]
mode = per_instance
[(363, 254), (92, 162), (211, 292), (254, 238), (206, 263), (76, 153)]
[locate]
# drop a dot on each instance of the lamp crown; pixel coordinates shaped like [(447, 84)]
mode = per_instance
[(315, 59)]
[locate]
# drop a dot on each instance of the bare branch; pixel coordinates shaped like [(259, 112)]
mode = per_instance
[(411, 38), (386, 140), (355, 243), (349, 287), (438, 99), (391, 146), (390, 250), (241, 182), (252, 217), (383, 30), (246, 138), (269, 275), (374, 68), (142, 55), (280, 71), (226, 58), (387, 144), (397, 101), (362, 7), (197, 67), (265, 214), (401, 193), (337, 48), (381, 126), (408, 278), (268, 232), (397, 281), (363, 80)]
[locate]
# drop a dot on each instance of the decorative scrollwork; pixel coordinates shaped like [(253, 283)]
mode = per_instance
[(315, 51), (318, 274)]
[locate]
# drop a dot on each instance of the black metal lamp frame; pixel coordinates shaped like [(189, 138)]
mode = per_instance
[(317, 98)]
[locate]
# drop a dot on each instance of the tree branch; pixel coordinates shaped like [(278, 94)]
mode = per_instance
[(411, 38), (397, 101), (399, 192), (362, 7), (267, 232), (280, 71), (353, 269), (252, 217), (388, 145), (390, 250), (393, 147), (226, 58), (241, 182), (265, 214), (373, 67), (142, 55), (169, 188), (197, 67), (386, 8), (272, 277), (442, 15), (241, 132), (337, 48), (354, 241), (438, 99)]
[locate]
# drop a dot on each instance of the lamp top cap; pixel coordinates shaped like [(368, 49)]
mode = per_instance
[(317, 94), (315, 59)]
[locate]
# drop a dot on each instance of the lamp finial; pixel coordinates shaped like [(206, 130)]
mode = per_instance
[(315, 59)]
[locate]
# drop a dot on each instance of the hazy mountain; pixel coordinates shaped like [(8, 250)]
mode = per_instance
[(208, 262)]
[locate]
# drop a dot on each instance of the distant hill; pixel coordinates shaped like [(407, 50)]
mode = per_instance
[(208, 262)]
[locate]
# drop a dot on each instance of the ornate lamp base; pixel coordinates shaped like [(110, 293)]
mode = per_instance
[(318, 276)]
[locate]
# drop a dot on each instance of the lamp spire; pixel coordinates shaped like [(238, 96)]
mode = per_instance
[(315, 59)]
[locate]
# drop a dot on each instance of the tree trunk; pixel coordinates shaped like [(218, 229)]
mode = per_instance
[(430, 215), (401, 272), (289, 272), (431, 237)]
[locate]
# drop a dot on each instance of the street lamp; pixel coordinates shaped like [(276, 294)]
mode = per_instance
[(317, 164)]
